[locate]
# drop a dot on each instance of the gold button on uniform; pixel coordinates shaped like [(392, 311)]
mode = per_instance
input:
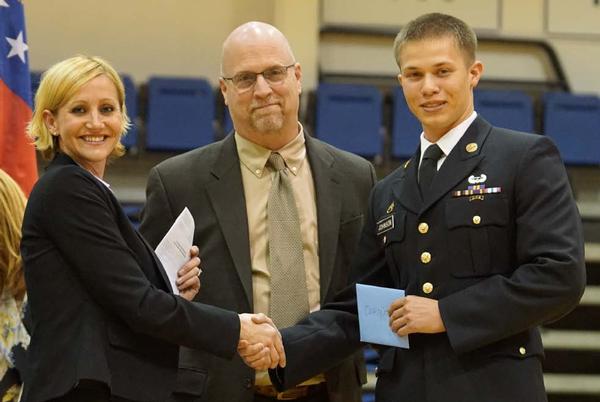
[(423, 228), (522, 351), (425, 257), (471, 147), (477, 219), (427, 287)]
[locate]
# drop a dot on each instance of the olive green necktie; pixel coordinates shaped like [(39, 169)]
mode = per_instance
[(289, 296)]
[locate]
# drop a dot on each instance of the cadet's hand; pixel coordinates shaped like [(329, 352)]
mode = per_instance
[(415, 314), (188, 281), (260, 345)]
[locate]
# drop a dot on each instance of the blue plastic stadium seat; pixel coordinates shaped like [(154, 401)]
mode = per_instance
[(180, 114), (371, 355), (507, 109), (406, 129), (368, 397), (350, 117), (133, 210), (371, 358), (573, 122), (227, 122), (35, 77), (131, 103)]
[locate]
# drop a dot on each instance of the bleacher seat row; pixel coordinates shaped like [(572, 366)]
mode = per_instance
[(181, 115)]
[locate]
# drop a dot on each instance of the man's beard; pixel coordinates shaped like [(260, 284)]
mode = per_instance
[(268, 122)]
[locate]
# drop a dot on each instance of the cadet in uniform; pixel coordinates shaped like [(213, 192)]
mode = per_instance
[(480, 229)]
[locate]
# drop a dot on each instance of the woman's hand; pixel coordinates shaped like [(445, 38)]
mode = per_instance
[(188, 281)]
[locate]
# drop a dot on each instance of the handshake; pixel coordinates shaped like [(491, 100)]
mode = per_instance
[(260, 344)]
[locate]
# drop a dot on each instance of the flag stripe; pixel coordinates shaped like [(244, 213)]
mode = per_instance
[(17, 155)]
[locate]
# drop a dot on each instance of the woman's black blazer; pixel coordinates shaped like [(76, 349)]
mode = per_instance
[(100, 303)]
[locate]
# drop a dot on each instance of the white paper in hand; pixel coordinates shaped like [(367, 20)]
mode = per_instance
[(174, 249)]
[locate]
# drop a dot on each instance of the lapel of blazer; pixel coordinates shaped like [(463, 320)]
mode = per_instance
[(226, 194), (63, 159), (157, 264), (459, 163), (406, 187), (329, 203)]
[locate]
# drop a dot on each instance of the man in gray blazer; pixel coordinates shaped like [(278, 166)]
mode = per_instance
[(228, 188)]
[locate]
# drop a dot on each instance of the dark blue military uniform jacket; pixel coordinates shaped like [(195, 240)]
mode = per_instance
[(497, 241)]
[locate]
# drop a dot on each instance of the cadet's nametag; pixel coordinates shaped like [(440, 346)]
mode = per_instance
[(385, 224)]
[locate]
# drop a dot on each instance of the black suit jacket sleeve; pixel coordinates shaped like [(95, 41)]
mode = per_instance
[(80, 216), (550, 276)]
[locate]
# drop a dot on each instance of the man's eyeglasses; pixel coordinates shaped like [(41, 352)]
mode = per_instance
[(246, 79)]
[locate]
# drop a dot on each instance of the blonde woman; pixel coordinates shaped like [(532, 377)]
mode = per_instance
[(13, 336), (105, 323)]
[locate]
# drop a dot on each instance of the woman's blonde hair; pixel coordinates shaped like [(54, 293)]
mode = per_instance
[(12, 208), (59, 83)]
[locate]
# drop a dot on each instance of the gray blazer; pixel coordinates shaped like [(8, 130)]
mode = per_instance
[(208, 181)]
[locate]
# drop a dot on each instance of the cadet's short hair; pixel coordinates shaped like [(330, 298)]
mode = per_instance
[(437, 25)]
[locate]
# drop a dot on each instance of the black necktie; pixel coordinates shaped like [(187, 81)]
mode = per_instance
[(428, 167)]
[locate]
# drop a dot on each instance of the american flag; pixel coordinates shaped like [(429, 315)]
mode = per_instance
[(17, 155)]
